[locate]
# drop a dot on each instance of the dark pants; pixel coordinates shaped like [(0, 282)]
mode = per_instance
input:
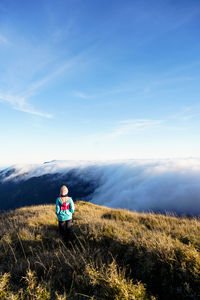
[(65, 229)]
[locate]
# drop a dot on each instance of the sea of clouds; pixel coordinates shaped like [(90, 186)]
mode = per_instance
[(168, 185)]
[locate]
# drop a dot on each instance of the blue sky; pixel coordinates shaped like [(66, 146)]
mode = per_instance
[(99, 79)]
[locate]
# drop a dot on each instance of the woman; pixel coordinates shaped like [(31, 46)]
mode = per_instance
[(64, 211)]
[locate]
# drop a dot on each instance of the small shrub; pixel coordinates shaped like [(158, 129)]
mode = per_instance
[(35, 290), (109, 282), (4, 286), (119, 215)]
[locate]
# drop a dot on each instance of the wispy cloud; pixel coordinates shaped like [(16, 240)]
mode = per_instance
[(66, 65), (128, 127), (187, 113), (32, 111), (165, 81), (132, 126), (20, 103), (81, 95), (99, 93)]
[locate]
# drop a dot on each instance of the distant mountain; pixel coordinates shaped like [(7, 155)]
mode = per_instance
[(170, 185), (18, 190)]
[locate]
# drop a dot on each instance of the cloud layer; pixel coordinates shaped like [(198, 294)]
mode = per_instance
[(141, 185)]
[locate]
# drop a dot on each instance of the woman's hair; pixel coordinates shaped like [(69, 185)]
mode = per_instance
[(63, 191)]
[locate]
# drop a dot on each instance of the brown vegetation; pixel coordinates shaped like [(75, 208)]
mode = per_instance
[(114, 254)]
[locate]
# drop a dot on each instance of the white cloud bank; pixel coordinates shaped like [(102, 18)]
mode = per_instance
[(141, 185)]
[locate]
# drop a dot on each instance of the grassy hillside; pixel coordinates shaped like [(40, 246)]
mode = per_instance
[(114, 254)]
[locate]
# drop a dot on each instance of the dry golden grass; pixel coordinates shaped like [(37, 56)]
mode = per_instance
[(114, 254)]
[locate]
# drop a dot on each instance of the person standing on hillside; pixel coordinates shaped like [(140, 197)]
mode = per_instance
[(64, 212)]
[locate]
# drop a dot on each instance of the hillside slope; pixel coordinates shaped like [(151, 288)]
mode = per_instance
[(114, 254)]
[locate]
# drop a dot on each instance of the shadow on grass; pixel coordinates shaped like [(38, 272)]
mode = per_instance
[(166, 279), (56, 264)]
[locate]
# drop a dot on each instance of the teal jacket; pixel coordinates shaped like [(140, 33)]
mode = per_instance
[(64, 211)]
